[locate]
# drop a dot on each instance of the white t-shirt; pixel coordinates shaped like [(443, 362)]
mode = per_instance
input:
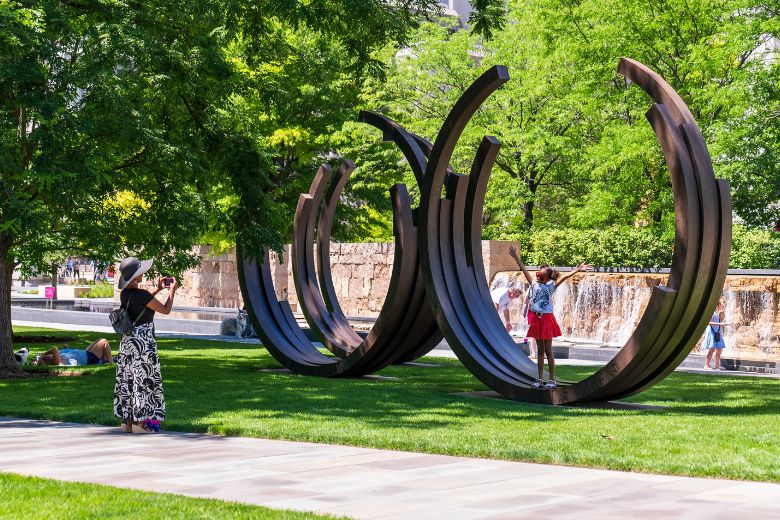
[(541, 297), (500, 297)]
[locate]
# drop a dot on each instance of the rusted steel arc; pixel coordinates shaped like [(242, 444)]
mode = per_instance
[(657, 88), (471, 342), (397, 331), (443, 222), (427, 147), (404, 310), (415, 149), (633, 365), (711, 234), (430, 195), (716, 282), (324, 229), (425, 325), (716, 233), (405, 332), (675, 316), (475, 200), (478, 305), (337, 335), (335, 330), (282, 336), (406, 142), (401, 327), (711, 274), (275, 324), (467, 255)]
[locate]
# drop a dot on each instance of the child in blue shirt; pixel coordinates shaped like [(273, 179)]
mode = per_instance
[(543, 326)]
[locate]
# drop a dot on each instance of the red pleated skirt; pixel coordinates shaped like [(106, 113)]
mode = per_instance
[(543, 326)]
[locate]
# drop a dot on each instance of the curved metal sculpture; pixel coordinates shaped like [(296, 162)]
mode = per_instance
[(676, 313), (405, 328), (444, 250)]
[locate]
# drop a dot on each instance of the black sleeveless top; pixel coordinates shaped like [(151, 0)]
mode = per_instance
[(137, 300)]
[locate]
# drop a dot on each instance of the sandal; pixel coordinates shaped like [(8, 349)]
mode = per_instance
[(148, 426), (126, 428)]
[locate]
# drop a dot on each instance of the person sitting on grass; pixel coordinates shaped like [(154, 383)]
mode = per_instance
[(97, 353)]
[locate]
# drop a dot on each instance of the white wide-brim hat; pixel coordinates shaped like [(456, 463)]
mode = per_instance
[(130, 268)]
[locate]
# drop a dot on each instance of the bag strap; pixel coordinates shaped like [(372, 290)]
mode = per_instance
[(139, 316), (127, 309)]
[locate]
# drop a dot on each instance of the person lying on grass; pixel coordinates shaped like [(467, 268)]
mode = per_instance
[(97, 353)]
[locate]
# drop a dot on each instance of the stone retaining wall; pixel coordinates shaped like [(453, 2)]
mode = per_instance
[(361, 276), (603, 307)]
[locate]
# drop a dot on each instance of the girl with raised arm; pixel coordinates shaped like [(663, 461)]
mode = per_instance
[(543, 326)]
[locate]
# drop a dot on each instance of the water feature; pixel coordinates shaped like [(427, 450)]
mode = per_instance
[(105, 308), (604, 308)]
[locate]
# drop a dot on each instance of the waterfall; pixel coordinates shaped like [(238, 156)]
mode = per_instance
[(604, 309), (756, 321)]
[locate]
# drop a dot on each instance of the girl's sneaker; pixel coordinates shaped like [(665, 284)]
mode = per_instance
[(550, 384), (538, 383)]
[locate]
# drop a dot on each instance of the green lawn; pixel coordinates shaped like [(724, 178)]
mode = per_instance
[(717, 426), (30, 497)]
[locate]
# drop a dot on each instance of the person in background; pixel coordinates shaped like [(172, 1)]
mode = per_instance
[(501, 297), (543, 325), (713, 338), (138, 392), (21, 356), (98, 352)]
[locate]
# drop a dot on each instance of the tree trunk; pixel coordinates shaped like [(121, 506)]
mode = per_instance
[(528, 206), (55, 271), (8, 365), (528, 218)]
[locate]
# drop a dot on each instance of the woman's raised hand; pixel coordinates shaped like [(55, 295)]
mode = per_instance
[(160, 284), (513, 251), (584, 267)]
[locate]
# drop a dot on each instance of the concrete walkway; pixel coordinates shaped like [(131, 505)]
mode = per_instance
[(366, 483)]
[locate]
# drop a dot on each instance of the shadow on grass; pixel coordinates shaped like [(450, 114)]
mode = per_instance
[(204, 378)]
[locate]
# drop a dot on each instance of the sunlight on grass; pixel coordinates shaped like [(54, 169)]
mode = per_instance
[(30, 497), (711, 425)]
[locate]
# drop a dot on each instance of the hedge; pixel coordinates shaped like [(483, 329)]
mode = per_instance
[(626, 246)]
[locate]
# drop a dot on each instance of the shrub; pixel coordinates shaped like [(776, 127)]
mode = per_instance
[(615, 246), (101, 290), (754, 249), (626, 246)]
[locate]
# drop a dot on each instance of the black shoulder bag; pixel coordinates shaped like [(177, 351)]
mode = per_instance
[(715, 334), (120, 320)]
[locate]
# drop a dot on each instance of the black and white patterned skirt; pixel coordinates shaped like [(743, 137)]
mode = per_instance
[(138, 393)]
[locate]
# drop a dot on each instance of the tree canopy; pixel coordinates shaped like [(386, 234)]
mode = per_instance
[(577, 152), (143, 127)]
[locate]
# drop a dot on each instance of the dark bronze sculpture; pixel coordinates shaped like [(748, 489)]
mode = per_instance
[(448, 239), (405, 328)]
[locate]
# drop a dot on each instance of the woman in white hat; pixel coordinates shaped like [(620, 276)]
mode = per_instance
[(138, 393)]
